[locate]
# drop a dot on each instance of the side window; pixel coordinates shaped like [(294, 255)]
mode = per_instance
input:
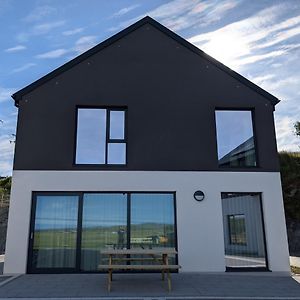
[(100, 136), (237, 229), (235, 138)]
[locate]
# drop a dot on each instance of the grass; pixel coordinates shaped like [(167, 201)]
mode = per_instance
[(94, 238), (290, 177)]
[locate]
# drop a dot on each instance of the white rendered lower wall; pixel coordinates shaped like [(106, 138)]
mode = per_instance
[(199, 224)]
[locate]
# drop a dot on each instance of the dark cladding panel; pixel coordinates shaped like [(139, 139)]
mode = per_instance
[(170, 94)]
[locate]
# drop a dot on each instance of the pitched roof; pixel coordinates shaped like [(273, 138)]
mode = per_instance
[(146, 20)]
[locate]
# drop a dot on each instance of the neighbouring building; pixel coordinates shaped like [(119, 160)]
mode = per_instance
[(145, 141)]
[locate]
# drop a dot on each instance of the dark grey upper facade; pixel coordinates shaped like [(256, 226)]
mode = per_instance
[(170, 90)]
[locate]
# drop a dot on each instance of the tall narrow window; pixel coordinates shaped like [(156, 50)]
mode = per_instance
[(235, 138), (101, 137)]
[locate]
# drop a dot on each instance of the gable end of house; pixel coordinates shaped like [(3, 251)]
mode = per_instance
[(146, 20)]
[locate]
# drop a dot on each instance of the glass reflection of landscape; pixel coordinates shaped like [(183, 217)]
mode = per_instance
[(152, 221), (55, 232), (104, 220), (235, 138), (105, 224)]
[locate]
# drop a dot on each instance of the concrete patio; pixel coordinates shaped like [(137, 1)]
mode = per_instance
[(150, 286)]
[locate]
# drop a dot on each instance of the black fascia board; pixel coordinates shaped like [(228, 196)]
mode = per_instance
[(146, 20)]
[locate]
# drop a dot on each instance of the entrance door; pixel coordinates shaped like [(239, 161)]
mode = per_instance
[(54, 232), (243, 231)]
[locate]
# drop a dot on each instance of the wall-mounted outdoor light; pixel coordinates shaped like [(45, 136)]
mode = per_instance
[(199, 196)]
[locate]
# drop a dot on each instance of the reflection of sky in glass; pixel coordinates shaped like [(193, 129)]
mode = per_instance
[(152, 208), (116, 153), (56, 212), (61, 212), (117, 121), (233, 128), (91, 136), (104, 210)]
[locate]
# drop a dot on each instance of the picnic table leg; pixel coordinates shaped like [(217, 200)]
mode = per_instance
[(164, 263), (169, 280), (109, 273), (109, 279), (110, 263)]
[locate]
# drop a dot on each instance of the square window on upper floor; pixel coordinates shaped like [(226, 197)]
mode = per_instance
[(101, 138), (235, 138)]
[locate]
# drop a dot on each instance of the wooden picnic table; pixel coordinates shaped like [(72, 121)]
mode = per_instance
[(158, 257)]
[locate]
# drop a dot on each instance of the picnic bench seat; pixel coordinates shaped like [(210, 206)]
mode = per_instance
[(139, 267), (160, 263)]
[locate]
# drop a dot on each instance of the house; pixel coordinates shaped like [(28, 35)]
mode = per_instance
[(145, 141)]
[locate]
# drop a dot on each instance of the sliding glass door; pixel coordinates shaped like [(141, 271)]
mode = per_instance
[(68, 231), (104, 225), (152, 221), (54, 236)]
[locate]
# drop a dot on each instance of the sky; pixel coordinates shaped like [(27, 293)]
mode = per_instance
[(260, 39)]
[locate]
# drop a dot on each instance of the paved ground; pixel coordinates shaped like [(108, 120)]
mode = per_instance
[(143, 286)]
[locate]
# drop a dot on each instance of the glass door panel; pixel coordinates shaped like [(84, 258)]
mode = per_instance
[(243, 231), (152, 221), (104, 225), (55, 232)]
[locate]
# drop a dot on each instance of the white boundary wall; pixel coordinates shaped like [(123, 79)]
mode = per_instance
[(199, 224)]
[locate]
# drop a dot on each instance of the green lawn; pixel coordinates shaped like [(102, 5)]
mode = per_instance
[(95, 238)]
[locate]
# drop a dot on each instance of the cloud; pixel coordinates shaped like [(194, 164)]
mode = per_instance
[(85, 43), (255, 58), (53, 54), (245, 41), (282, 36), (5, 93), (39, 13), (262, 79), (6, 157), (276, 86), (81, 45), (182, 14), (46, 27), (23, 68), (286, 140), (39, 29), (72, 31), (125, 10), (15, 49)]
